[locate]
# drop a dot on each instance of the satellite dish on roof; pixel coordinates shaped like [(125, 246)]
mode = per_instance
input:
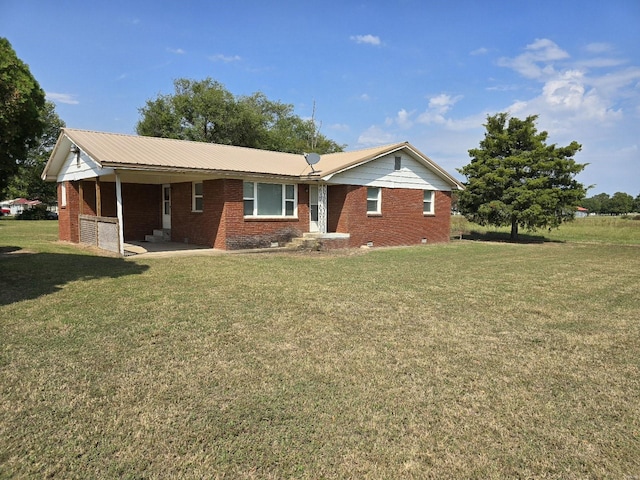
[(312, 159)]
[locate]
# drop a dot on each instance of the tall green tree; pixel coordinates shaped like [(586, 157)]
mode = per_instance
[(620, 203), (515, 179), (26, 182), (205, 111), (597, 204), (21, 101)]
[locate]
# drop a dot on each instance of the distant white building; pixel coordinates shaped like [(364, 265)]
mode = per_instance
[(18, 205)]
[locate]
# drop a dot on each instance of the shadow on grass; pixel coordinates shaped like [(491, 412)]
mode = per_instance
[(27, 275), (505, 237)]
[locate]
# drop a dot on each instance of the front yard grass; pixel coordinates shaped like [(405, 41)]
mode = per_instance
[(466, 360)]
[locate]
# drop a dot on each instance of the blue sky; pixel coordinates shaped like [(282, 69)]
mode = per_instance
[(428, 72)]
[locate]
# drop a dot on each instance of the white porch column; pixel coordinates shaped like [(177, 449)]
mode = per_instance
[(322, 208), (119, 213)]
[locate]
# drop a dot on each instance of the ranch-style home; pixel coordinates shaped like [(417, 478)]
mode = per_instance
[(115, 188)]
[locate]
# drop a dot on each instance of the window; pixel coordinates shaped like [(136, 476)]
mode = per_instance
[(198, 197), (398, 163), (63, 195), (269, 200), (373, 200), (428, 201)]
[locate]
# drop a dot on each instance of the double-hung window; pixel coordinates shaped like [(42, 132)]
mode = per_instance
[(269, 200), (427, 203), (374, 197), (198, 197)]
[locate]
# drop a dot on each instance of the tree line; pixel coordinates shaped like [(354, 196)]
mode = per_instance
[(619, 203)]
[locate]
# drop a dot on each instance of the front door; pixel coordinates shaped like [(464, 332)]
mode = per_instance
[(166, 206), (313, 208)]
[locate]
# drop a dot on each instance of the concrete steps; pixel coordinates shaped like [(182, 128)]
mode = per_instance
[(159, 235), (313, 241)]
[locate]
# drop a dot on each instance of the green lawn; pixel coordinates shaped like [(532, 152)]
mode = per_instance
[(466, 360), (593, 229)]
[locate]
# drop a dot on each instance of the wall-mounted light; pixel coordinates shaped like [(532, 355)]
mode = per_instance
[(76, 151)]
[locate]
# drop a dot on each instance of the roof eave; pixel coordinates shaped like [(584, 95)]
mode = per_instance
[(118, 166)]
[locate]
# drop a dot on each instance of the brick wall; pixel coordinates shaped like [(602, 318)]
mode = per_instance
[(401, 222), (142, 209), (238, 232), (68, 229), (221, 224)]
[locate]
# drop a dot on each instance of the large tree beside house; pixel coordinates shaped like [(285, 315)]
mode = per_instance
[(21, 103), (515, 179), (205, 111), (27, 181)]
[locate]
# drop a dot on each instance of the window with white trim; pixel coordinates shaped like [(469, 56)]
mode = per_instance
[(270, 199), (63, 194), (428, 202), (198, 197), (374, 197)]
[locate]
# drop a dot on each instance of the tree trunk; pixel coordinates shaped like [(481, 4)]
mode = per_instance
[(514, 230)]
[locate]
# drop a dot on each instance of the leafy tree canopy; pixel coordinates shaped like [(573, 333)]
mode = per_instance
[(21, 101), (515, 179), (205, 111), (619, 204), (26, 182)]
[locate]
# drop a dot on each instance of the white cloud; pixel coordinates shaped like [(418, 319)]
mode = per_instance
[(479, 51), (403, 119), (439, 105), (366, 39), (66, 98), (177, 51), (365, 97), (374, 135), (599, 47), (224, 58), (542, 51)]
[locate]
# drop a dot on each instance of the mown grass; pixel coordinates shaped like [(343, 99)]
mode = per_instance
[(467, 360), (593, 229)]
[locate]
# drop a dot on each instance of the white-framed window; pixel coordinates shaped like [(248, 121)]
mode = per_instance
[(427, 203), (63, 195), (270, 199), (198, 197), (374, 200)]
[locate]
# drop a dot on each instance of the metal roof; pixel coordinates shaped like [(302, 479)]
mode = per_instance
[(133, 152)]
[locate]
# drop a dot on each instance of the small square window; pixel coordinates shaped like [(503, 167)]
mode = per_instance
[(398, 163)]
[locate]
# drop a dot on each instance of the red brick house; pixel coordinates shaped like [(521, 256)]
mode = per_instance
[(115, 188)]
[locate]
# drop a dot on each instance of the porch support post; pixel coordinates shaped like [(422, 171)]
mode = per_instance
[(322, 208), (119, 213), (98, 198)]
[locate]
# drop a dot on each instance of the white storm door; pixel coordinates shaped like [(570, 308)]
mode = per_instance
[(166, 206), (313, 208)]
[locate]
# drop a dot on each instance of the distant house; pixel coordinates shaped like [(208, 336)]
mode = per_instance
[(114, 188), (18, 205), (581, 212)]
